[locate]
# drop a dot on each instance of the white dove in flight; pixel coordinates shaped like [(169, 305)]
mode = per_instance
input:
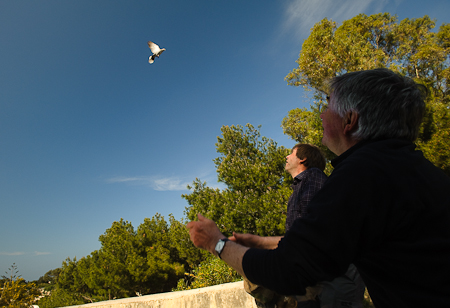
[(155, 50)]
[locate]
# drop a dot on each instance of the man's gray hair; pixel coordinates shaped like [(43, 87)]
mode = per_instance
[(388, 105)]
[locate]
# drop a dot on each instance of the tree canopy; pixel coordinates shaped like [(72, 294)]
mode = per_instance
[(409, 47), (257, 187), (150, 259)]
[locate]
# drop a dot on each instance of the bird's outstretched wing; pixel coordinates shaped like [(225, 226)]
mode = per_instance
[(153, 47)]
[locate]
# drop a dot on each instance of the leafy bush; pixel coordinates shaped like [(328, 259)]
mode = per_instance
[(16, 292), (211, 272)]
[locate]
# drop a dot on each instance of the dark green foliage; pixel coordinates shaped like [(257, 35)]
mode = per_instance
[(60, 298), (257, 190), (130, 262), (48, 281)]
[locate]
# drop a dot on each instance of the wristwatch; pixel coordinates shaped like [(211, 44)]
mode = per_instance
[(220, 245)]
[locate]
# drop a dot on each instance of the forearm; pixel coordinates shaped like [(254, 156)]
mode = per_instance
[(256, 241), (270, 242), (233, 254)]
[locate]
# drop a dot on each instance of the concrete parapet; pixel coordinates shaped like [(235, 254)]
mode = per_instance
[(228, 295)]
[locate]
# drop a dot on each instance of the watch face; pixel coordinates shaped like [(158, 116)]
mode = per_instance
[(219, 246)]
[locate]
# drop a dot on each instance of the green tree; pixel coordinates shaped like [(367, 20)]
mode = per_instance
[(257, 189), (48, 281), (179, 237), (91, 276), (103, 274), (72, 280), (156, 265), (115, 255), (254, 201), (60, 298), (130, 262), (366, 42)]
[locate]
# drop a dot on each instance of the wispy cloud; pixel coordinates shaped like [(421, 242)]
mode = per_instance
[(16, 253), (123, 179), (41, 253), (21, 253), (154, 182), (169, 184), (301, 15)]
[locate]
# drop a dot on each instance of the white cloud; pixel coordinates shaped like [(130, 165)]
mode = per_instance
[(16, 253), (122, 179), (154, 182), (40, 253), (21, 253), (301, 15), (169, 184)]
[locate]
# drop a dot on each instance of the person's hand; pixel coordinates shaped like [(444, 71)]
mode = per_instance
[(204, 233), (247, 239)]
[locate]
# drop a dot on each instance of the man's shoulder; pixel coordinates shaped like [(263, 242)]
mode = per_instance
[(379, 158), (312, 174), (315, 172), (367, 150)]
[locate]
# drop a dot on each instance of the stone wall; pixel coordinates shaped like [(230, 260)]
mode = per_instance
[(229, 295)]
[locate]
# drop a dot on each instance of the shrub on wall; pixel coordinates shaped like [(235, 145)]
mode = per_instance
[(211, 272)]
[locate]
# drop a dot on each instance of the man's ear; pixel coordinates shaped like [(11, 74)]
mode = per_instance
[(350, 122), (302, 160)]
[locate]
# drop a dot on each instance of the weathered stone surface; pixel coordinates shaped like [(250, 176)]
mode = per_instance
[(228, 295)]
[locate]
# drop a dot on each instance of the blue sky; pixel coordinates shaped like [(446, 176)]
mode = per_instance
[(90, 132)]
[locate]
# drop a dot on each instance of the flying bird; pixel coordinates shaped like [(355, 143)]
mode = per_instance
[(155, 50)]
